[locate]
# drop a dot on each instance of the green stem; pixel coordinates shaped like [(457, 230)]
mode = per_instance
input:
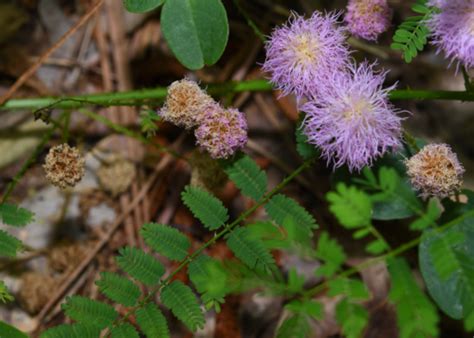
[(157, 95), (227, 228), (398, 251)]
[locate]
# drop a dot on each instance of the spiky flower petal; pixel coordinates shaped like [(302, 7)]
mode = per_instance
[(64, 166), (222, 131), (353, 122), (452, 29), (368, 19), (185, 104), (303, 53), (435, 171)]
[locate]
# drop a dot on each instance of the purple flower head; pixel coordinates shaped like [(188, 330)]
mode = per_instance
[(222, 131), (368, 19), (303, 53), (452, 29), (353, 122)]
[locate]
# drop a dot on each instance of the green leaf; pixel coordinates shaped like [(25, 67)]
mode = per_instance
[(250, 251), (141, 6), (180, 299), (281, 207), (152, 322), (294, 327), (305, 150), (306, 307), (9, 245), (270, 234), (196, 30), (70, 331), (148, 122), (89, 312), (166, 240), (376, 247), (124, 331), (331, 253), (446, 265), (351, 288), (353, 318), (428, 218), (351, 206), (411, 35), (13, 215), (295, 282), (247, 176), (8, 331), (207, 208), (118, 288), (140, 265), (416, 315), (5, 295), (210, 280)]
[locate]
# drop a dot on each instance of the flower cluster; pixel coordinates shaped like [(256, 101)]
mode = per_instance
[(368, 19), (185, 104), (302, 54), (452, 29), (435, 171), (354, 122), (64, 166), (220, 131), (348, 115)]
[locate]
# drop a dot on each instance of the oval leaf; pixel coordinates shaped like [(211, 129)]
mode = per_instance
[(196, 30), (141, 6)]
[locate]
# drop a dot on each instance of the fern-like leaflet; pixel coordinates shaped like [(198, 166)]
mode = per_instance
[(119, 289), (205, 207), (166, 240), (296, 326), (140, 265), (411, 35), (416, 315), (247, 176), (89, 312), (124, 331), (71, 331), (281, 208), (152, 322), (250, 251), (180, 299)]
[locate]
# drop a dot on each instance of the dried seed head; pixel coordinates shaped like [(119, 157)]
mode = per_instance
[(222, 131), (185, 104), (36, 291), (116, 176), (435, 171), (64, 166)]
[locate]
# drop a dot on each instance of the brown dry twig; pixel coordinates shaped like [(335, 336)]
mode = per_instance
[(30, 71)]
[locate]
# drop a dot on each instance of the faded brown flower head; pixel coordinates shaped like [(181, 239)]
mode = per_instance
[(185, 103), (36, 290), (64, 166), (435, 171), (116, 175)]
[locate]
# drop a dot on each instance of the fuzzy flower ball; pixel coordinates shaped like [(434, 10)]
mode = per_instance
[(367, 19), (302, 54), (353, 122), (435, 171), (185, 104), (64, 166), (222, 131), (452, 29)]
